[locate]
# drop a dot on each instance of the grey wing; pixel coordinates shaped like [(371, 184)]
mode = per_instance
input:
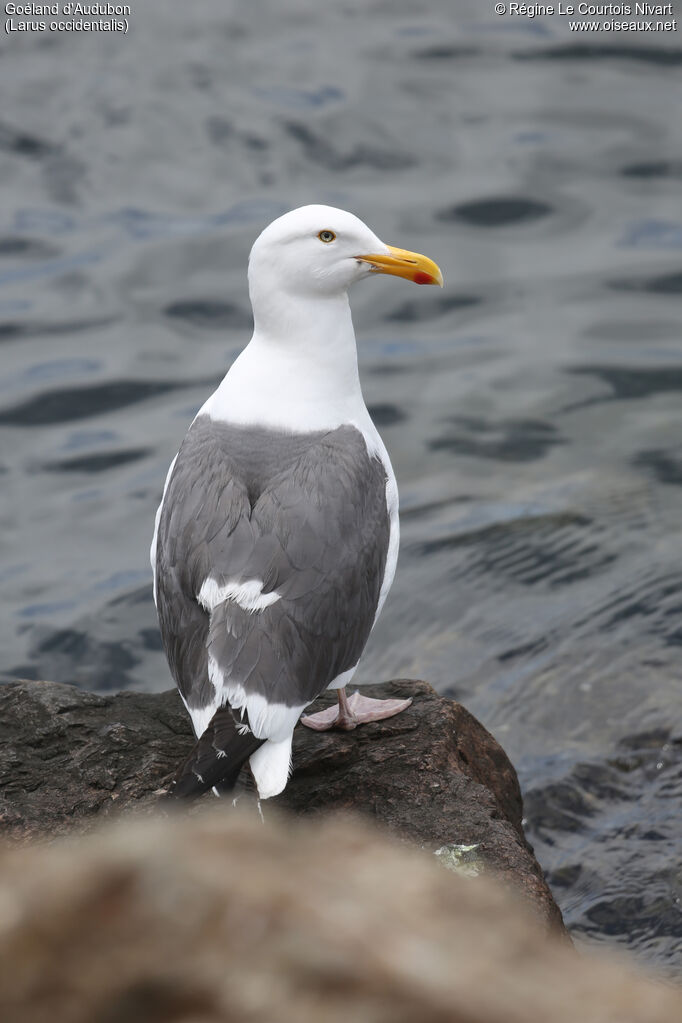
[(296, 554), (203, 504)]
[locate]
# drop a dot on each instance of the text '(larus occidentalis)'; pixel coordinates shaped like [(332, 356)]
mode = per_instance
[(276, 540)]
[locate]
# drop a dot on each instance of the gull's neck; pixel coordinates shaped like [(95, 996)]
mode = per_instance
[(299, 372)]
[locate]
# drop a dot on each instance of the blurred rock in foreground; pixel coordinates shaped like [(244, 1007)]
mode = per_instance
[(217, 917), (432, 775)]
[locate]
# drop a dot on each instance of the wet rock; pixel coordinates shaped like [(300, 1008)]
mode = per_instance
[(219, 918), (432, 775)]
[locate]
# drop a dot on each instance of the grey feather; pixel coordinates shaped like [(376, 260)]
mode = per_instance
[(304, 513)]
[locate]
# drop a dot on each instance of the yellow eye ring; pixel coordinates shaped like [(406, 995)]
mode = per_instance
[(327, 236)]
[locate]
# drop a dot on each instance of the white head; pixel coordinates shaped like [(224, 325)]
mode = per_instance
[(318, 251), (300, 369)]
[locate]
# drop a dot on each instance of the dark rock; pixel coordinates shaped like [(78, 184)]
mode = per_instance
[(432, 775), (215, 918)]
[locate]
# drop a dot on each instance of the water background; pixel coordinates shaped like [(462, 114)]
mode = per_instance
[(532, 408)]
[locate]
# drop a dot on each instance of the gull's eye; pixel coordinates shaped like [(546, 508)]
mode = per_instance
[(326, 236)]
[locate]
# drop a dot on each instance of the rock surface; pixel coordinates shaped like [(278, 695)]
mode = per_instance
[(432, 775), (219, 918)]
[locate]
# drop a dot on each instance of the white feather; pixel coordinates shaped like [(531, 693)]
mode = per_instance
[(201, 716), (248, 595), (152, 549), (271, 767), (267, 720), (343, 679)]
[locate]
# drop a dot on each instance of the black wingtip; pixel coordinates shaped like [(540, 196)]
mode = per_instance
[(217, 757)]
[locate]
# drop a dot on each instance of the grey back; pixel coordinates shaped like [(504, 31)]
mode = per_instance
[(304, 513)]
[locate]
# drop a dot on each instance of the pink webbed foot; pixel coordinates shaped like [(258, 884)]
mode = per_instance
[(353, 711)]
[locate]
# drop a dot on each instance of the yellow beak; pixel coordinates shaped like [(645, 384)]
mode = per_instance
[(401, 263)]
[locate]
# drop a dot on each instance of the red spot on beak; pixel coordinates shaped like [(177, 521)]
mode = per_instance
[(422, 278)]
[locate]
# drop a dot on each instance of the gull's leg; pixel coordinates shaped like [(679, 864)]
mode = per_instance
[(353, 711), (340, 716)]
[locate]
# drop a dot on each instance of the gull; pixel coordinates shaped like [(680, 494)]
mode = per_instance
[(276, 540)]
